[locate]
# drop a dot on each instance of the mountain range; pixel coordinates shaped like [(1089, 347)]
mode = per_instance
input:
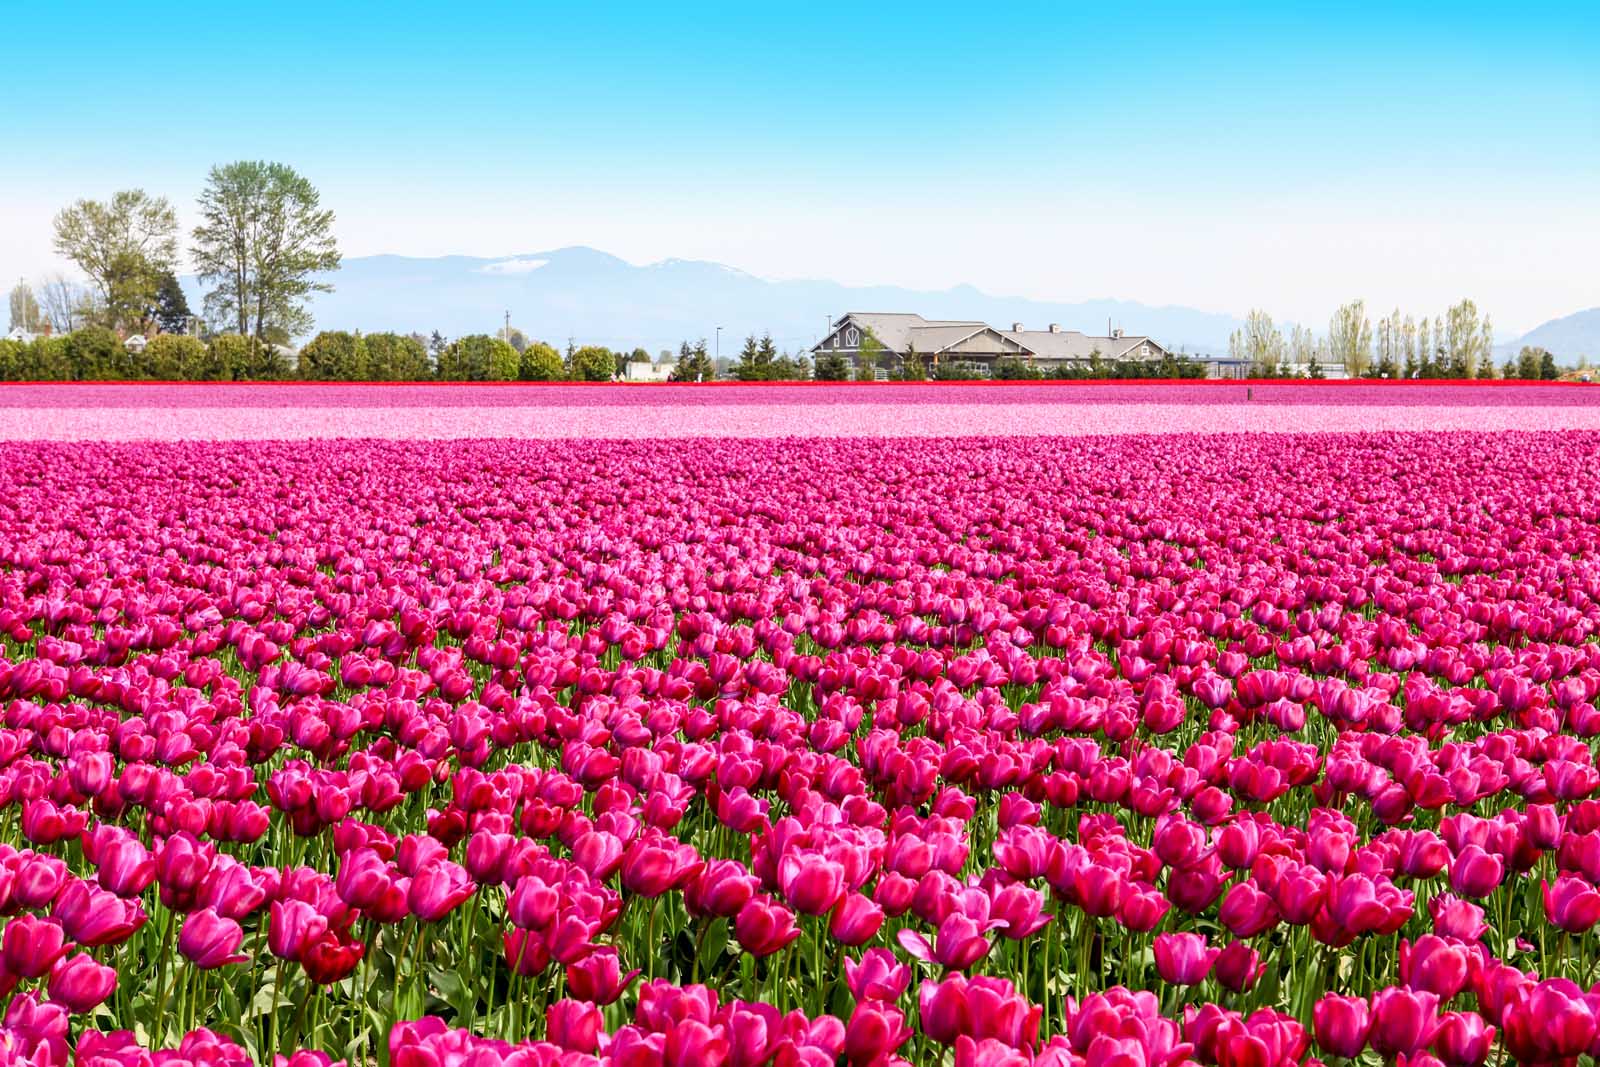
[(592, 297), (596, 298), (1568, 337)]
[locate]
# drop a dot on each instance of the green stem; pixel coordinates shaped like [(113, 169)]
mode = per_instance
[(158, 1024)]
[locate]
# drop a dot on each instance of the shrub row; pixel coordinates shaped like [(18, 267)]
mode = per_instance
[(97, 354)]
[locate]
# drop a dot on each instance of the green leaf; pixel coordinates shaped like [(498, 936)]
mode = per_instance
[(261, 1003), (711, 948)]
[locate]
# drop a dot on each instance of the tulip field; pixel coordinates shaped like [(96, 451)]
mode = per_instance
[(1131, 750)]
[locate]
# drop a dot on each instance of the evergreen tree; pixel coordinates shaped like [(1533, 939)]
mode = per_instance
[(831, 367), (751, 367), (694, 364), (172, 307)]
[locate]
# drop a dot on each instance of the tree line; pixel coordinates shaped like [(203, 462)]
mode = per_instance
[(1456, 344), (264, 244), (99, 353)]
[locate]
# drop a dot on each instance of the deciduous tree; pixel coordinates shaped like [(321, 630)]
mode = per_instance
[(60, 300), (334, 356), (124, 245), (96, 353), (1258, 342), (868, 353), (265, 243), (541, 363), (478, 358), (592, 363), (177, 357), (1468, 340), (1350, 338), (394, 357), (25, 313)]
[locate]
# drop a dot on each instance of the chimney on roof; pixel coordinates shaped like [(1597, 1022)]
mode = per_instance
[(1055, 327), (1117, 332), (1016, 327)]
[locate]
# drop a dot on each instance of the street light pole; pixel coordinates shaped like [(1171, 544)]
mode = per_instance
[(719, 344)]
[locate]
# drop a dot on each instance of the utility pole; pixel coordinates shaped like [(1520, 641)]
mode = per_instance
[(508, 326)]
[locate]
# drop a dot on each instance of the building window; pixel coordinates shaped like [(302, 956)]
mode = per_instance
[(1144, 350), (852, 337)]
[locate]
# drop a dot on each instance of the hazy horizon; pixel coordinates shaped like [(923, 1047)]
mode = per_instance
[(1260, 158)]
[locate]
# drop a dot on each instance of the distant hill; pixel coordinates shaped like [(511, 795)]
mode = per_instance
[(1568, 338), (597, 298)]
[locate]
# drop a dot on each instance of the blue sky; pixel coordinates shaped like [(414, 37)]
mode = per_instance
[(1246, 156)]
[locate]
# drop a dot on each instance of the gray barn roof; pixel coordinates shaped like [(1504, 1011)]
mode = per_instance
[(901, 331), (1070, 344)]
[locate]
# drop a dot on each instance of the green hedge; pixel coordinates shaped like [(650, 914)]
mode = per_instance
[(96, 354)]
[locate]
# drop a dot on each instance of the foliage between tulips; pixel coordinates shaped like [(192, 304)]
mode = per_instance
[(1229, 750)]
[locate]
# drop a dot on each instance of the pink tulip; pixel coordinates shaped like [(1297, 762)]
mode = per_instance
[(1342, 1024), (764, 927), (598, 977), (574, 1025), (1572, 904), (811, 884), (30, 946), (878, 976), (437, 889), (209, 940), (79, 984), (1403, 1021), (1184, 958)]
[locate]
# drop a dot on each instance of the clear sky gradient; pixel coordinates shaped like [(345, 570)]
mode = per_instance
[(1223, 157)]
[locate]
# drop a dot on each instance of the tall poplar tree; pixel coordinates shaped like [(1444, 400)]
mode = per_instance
[(1350, 338), (1258, 342)]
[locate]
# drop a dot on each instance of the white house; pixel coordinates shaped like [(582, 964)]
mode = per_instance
[(648, 372)]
